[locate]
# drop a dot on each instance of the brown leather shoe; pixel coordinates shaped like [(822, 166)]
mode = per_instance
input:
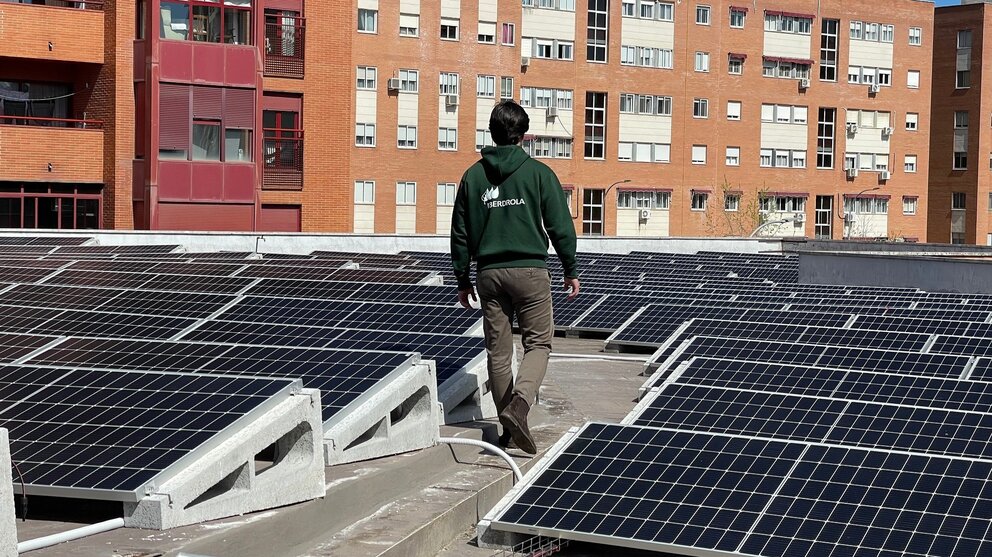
[(514, 420), (506, 440)]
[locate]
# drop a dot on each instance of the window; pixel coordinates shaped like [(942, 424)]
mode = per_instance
[(206, 140), (702, 62), (409, 81), (446, 194), (960, 160), (700, 108), (782, 204), (447, 139), (826, 122), (784, 114), (912, 121), (449, 29), (698, 154), (731, 202), (406, 137), (990, 201), (733, 156), (486, 86), (915, 36), (961, 119), (548, 147), (237, 145), (597, 30), (765, 158), (958, 201), (702, 15), (406, 193), (857, 30), (487, 32), (643, 199), (483, 139), (505, 88), (208, 21), (448, 83), (784, 70), (782, 23), (964, 38), (508, 35), (699, 200), (628, 8), (909, 204), (913, 79), (595, 120), (644, 152), (733, 110), (365, 135), (364, 192), (735, 65), (666, 11), (409, 25), (829, 30), (962, 79), (737, 18), (368, 20), (366, 78), (909, 163)]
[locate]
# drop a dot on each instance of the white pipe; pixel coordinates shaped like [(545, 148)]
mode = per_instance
[(69, 535), (517, 474), (600, 357)]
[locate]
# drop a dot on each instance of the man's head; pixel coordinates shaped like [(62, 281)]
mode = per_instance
[(508, 123)]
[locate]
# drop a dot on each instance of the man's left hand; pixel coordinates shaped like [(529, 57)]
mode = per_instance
[(466, 297)]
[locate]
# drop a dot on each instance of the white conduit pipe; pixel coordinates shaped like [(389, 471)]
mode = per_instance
[(517, 474), (69, 535)]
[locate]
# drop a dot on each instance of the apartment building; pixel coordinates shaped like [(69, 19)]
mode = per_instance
[(661, 118), (960, 175)]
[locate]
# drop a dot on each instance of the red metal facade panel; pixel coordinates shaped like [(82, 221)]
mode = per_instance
[(208, 181), (241, 65), (176, 60), (174, 120), (205, 216), (239, 182), (174, 180), (208, 63), (279, 218)]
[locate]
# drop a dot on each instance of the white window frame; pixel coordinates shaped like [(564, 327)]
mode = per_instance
[(912, 124), (735, 65), (485, 86), (409, 81), (731, 202), (362, 80), (375, 21), (911, 82), (403, 133), (364, 192), (456, 23), (446, 194), (703, 14), (909, 164), (733, 156), (446, 133), (512, 27), (696, 150), (363, 138), (698, 200), (910, 205), (700, 108), (915, 36), (737, 15), (702, 61), (405, 31), (448, 83), (404, 190), (734, 109)]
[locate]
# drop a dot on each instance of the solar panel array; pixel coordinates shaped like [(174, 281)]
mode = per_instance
[(779, 420)]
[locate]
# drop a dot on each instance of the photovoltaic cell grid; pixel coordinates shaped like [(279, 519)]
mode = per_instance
[(667, 490), (449, 352), (110, 433)]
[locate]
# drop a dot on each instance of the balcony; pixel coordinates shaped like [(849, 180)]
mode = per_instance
[(51, 150), (283, 168), (62, 30), (284, 47)]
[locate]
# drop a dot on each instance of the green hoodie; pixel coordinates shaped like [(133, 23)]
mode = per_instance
[(507, 207)]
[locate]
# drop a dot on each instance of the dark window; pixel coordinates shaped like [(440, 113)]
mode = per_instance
[(595, 140), (206, 21), (828, 49), (49, 103), (598, 29), (825, 137), (50, 206), (196, 122)]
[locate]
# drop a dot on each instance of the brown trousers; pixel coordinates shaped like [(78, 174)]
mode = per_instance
[(526, 292)]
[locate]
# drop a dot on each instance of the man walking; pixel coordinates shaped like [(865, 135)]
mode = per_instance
[(507, 207)]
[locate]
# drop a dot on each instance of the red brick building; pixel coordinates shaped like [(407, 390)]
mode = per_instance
[(960, 195), (662, 118)]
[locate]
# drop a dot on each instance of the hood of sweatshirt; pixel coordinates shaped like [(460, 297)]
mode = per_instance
[(502, 161)]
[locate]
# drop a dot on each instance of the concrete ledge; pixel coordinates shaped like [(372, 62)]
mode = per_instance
[(8, 520), (926, 273)]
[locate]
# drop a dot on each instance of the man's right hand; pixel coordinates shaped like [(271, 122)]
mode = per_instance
[(466, 297), (573, 285)]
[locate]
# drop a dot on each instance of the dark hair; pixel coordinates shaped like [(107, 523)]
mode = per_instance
[(508, 123)]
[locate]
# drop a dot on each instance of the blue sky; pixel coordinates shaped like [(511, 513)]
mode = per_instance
[(947, 2)]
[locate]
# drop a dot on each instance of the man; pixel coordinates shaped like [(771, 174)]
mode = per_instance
[(507, 207)]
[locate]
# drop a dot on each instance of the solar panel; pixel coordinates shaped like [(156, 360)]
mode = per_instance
[(291, 311), (314, 289), (954, 344), (23, 274), (136, 355), (99, 279), (15, 346), (302, 272), (373, 275), (67, 297), (689, 493), (566, 312), (612, 313), (938, 388), (99, 324), (822, 419), (407, 293), (909, 325), (111, 265), (197, 269), (413, 318), (207, 285), (177, 304), (450, 352), (261, 334), (109, 434)]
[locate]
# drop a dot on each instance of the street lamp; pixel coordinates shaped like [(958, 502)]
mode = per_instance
[(854, 213), (769, 223), (606, 196)]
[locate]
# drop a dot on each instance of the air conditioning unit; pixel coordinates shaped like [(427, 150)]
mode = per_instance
[(884, 175), (524, 61), (887, 131), (874, 88), (804, 83), (852, 172), (645, 214), (393, 84), (799, 218), (451, 100), (552, 112), (852, 128)]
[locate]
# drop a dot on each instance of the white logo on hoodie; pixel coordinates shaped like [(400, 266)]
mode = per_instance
[(491, 199)]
